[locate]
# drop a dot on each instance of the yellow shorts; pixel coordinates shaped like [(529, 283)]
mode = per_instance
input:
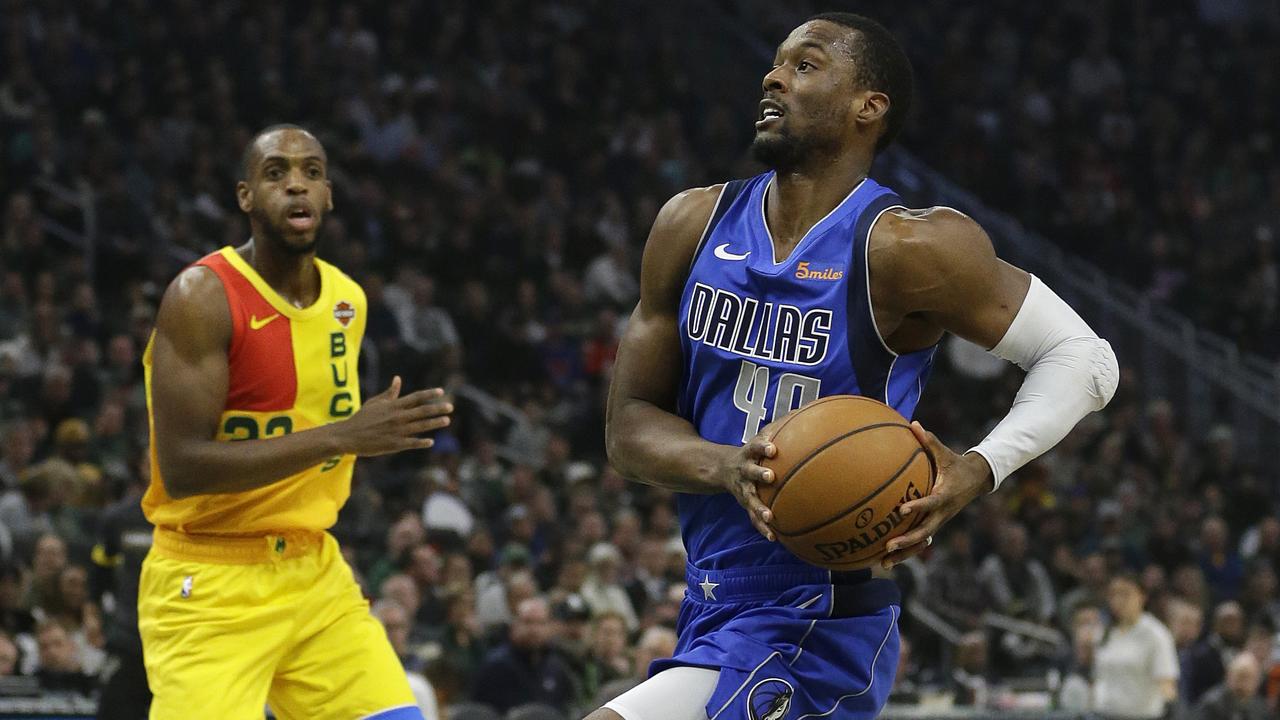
[(231, 625)]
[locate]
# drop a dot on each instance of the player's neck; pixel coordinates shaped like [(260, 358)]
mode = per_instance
[(800, 198), (294, 276)]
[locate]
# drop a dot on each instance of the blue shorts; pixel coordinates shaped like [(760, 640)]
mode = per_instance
[(790, 642)]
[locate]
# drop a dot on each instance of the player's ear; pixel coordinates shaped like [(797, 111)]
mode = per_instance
[(244, 196), (871, 106), (328, 202)]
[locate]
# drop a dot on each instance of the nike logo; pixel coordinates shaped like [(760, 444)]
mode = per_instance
[(257, 324), (722, 252)]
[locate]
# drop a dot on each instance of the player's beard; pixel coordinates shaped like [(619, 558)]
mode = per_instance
[(781, 151), (272, 234)]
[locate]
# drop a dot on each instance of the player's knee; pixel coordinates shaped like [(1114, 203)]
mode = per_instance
[(604, 714)]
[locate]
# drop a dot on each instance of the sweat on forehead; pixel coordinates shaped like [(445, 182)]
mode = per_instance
[(832, 37)]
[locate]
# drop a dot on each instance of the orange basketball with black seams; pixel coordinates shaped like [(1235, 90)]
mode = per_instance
[(844, 466)]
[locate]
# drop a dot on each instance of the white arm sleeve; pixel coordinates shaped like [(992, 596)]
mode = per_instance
[(1071, 372)]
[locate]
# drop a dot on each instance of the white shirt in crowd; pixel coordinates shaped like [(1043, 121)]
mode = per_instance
[(1129, 666), (424, 696)]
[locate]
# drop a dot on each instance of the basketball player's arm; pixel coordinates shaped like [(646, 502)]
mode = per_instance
[(189, 381), (646, 440), (941, 271)]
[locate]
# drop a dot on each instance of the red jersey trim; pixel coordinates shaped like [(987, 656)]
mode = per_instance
[(262, 375)]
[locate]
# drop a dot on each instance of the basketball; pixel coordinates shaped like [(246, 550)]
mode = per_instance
[(844, 465)]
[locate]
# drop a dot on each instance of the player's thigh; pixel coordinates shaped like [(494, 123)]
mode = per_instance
[(680, 693), (343, 667), (346, 671), (210, 641)]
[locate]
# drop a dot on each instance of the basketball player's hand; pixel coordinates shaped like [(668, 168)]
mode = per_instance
[(740, 473), (388, 423), (961, 478)]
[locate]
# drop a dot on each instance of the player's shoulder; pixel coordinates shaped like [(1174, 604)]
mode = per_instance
[(929, 226), (345, 284), (935, 238), (197, 288), (674, 238), (689, 210), (195, 302)]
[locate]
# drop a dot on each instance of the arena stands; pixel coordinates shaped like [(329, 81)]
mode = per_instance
[(496, 167)]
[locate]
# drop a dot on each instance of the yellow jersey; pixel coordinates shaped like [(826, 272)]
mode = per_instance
[(290, 369)]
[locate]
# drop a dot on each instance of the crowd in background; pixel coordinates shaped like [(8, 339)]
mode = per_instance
[(1120, 130), (496, 167)]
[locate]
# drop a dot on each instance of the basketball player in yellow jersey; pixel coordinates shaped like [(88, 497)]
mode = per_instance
[(256, 422)]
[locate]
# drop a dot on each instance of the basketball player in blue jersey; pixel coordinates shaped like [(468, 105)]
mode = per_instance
[(760, 295)]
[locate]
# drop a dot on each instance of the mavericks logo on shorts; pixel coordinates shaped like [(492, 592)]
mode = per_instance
[(769, 699)]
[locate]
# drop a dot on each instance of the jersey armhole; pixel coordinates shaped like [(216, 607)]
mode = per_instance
[(226, 275), (862, 245), (728, 194)]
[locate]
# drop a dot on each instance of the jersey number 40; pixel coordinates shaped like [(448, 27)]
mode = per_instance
[(750, 395)]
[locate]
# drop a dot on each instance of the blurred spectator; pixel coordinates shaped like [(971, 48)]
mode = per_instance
[(495, 601), (444, 509), (1207, 662), (954, 589), (460, 637), (607, 658), (17, 447), (1236, 698), (1260, 599), (970, 680), (72, 608), (403, 535), (602, 590), (60, 668), (1185, 621), (656, 643), (1135, 665), (1017, 585), (15, 616), (1091, 590), (525, 669), (8, 656), (424, 325), (30, 511), (124, 539), (647, 584), (423, 566), (397, 622), (906, 691), (1087, 629), (573, 630), (48, 561), (1222, 566)]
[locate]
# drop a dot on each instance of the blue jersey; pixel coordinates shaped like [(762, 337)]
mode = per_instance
[(762, 338)]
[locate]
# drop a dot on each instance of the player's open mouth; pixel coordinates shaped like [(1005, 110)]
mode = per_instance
[(301, 218), (770, 112)]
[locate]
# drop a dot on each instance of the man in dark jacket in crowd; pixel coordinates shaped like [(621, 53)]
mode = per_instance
[(525, 669)]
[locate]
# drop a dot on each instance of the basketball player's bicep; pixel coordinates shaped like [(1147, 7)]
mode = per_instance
[(649, 355), (189, 363), (963, 286), (648, 359), (985, 306)]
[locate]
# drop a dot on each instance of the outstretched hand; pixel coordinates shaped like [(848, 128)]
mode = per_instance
[(389, 422), (960, 479)]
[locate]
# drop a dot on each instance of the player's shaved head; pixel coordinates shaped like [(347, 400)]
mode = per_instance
[(253, 150)]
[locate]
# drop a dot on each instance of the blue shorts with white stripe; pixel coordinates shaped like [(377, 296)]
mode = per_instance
[(798, 643)]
